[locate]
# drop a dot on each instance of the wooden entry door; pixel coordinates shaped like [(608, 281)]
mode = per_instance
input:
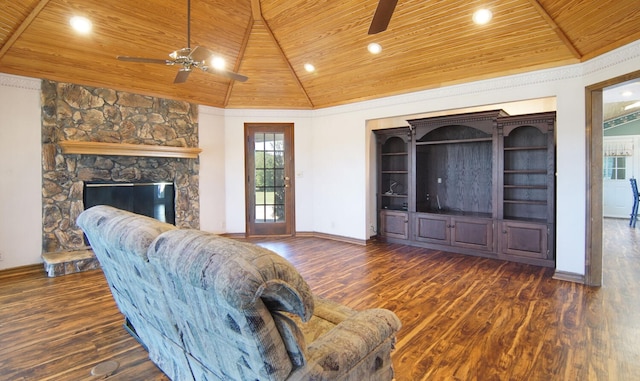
[(269, 172)]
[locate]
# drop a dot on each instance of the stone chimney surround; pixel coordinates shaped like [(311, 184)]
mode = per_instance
[(103, 135)]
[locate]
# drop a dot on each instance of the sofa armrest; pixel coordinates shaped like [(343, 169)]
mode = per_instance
[(339, 350)]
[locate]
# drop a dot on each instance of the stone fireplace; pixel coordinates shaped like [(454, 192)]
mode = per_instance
[(76, 116)]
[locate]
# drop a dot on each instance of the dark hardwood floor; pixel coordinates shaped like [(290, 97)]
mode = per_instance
[(464, 318)]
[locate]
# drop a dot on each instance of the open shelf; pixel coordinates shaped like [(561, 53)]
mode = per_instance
[(532, 202), (533, 148), (394, 171)]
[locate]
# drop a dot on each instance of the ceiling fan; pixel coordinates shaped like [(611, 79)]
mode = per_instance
[(188, 59), (383, 14)]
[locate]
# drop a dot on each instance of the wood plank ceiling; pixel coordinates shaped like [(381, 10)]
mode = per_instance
[(429, 43)]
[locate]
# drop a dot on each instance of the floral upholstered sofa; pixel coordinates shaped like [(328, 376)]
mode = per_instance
[(212, 308)]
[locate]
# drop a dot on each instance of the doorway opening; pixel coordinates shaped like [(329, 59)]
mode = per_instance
[(595, 167)]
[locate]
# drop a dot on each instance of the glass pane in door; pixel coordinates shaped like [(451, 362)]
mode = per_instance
[(269, 177)]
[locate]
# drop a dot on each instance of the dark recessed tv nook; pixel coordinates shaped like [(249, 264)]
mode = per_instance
[(154, 200)]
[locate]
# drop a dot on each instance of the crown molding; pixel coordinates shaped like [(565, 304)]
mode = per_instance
[(8, 80), (629, 52)]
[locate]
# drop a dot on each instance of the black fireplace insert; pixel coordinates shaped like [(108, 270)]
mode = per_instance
[(154, 200)]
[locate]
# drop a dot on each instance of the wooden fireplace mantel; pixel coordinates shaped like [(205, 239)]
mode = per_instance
[(123, 149)]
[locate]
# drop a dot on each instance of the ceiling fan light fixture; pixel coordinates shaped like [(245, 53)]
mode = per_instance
[(189, 58), (81, 24), (482, 16), (374, 48), (218, 63)]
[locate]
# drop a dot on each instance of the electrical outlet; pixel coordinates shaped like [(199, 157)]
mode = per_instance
[(1, 256)]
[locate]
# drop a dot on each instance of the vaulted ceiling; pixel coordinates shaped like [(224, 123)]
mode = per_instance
[(428, 44)]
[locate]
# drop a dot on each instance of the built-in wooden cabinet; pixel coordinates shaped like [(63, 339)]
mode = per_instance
[(394, 182), (479, 183)]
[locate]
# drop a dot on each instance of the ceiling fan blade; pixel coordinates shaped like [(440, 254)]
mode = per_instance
[(182, 76), (145, 60), (234, 76), (200, 54), (382, 16), (226, 73)]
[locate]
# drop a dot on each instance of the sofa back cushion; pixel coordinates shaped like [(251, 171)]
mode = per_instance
[(120, 241), (222, 293), (120, 230)]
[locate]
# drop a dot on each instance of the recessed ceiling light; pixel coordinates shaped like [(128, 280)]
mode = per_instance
[(627, 93), (218, 63), (482, 16), (81, 24), (374, 48), (309, 67)]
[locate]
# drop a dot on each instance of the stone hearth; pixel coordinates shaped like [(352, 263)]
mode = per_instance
[(69, 262)]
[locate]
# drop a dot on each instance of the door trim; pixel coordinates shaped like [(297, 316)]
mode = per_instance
[(288, 129), (594, 137)]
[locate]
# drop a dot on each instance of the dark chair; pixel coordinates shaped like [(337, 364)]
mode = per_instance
[(636, 201)]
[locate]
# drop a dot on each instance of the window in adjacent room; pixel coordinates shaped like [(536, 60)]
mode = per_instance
[(615, 167)]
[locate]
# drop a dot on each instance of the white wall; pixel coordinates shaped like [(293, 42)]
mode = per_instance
[(20, 172), (340, 158), (211, 129), (234, 164)]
